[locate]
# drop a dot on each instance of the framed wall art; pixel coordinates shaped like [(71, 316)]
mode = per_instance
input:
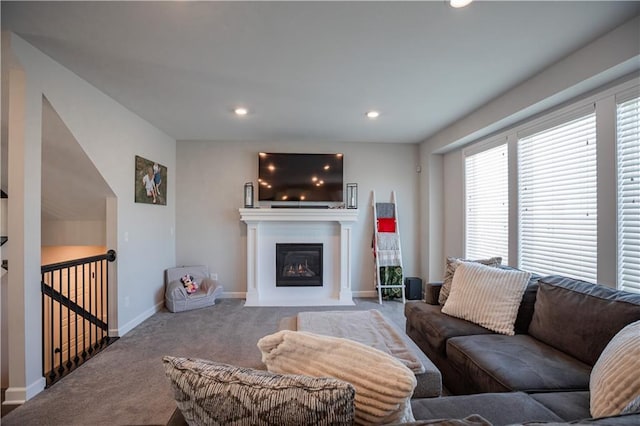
[(151, 182)]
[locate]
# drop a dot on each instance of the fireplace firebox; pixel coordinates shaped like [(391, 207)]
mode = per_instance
[(298, 265)]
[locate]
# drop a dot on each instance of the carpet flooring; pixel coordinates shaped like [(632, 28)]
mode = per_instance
[(126, 385)]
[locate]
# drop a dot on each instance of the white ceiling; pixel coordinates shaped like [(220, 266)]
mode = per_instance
[(308, 71)]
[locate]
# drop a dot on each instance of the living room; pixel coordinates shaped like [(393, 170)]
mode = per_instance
[(200, 223)]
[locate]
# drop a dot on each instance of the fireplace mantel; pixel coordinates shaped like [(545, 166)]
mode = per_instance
[(265, 227), (298, 215)]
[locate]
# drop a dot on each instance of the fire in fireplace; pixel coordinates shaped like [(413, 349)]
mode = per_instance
[(298, 265)]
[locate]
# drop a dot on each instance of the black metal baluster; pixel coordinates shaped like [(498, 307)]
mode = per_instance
[(59, 348), (84, 313), (76, 358), (94, 311), (91, 311), (106, 291), (44, 332), (69, 363), (101, 286)]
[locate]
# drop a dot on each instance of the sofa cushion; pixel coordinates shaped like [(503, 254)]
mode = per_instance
[(498, 408), (436, 327), (208, 392), (450, 269), (568, 405), (383, 384), (568, 316), (525, 311), (487, 296), (615, 379), (501, 363)]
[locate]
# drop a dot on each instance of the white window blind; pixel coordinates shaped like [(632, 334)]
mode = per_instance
[(487, 204), (628, 147), (558, 200)]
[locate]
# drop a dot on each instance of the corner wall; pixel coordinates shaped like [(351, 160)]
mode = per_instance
[(610, 57), (211, 177), (142, 234)]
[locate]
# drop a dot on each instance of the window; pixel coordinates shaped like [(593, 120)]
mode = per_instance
[(558, 199), (487, 204), (628, 150)]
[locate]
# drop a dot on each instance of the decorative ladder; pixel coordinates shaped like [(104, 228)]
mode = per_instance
[(387, 251)]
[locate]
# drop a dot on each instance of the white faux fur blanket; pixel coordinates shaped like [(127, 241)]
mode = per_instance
[(383, 384), (367, 327)]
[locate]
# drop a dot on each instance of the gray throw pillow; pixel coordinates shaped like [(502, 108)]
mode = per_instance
[(450, 269), (212, 393), (632, 407)]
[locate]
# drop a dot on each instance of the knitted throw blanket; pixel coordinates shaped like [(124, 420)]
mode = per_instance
[(367, 327)]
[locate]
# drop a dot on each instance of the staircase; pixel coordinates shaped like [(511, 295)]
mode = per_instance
[(75, 325)]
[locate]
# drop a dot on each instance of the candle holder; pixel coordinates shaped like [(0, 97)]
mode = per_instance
[(352, 195), (248, 195)]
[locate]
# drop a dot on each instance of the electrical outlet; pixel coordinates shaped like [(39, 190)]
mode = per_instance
[(214, 276), (126, 301)]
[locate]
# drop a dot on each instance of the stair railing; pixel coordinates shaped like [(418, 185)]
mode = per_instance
[(75, 308)]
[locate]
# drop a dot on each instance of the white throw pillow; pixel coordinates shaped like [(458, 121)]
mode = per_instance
[(450, 269), (383, 384), (615, 378), (486, 296)]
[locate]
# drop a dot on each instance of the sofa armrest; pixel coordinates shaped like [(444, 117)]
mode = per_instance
[(176, 291), (208, 285), (432, 292)]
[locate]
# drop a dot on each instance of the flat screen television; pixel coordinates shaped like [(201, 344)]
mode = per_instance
[(287, 177)]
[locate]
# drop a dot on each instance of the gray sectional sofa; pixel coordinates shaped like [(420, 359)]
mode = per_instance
[(541, 373)]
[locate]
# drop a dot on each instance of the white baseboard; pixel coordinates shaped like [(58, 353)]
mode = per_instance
[(19, 395), (234, 295), (243, 295), (138, 320), (365, 293)]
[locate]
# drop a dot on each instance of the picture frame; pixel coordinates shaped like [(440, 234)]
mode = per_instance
[(150, 184)]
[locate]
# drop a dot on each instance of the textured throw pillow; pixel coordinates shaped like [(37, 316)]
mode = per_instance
[(208, 392), (632, 407), (383, 384), (615, 378), (487, 296), (450, 269)]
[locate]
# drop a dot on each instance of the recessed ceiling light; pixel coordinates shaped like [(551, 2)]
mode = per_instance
[(241, 111), (373, 114), (459, 3)]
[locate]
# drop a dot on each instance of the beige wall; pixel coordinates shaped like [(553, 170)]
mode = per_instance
[(210, 180)]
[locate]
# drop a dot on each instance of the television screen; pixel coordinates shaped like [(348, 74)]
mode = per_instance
[(299, 177)]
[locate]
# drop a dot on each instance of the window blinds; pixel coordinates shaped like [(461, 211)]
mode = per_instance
[(487, 204), (558, 199), (628, 150)]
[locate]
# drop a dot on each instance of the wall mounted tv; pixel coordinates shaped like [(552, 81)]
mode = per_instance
[(286, 177)]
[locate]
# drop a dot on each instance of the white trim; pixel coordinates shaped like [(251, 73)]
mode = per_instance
[(366, 294), (633, 83), (19, 395), (287, 222), (555, 119), (298, 215), (234, 295), (139, 319), (484, 145), (627, 95)]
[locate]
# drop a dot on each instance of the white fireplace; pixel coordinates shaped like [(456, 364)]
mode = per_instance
[(270, 226)]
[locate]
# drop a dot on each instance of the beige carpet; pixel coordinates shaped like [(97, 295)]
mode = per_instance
[(125, 384)]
